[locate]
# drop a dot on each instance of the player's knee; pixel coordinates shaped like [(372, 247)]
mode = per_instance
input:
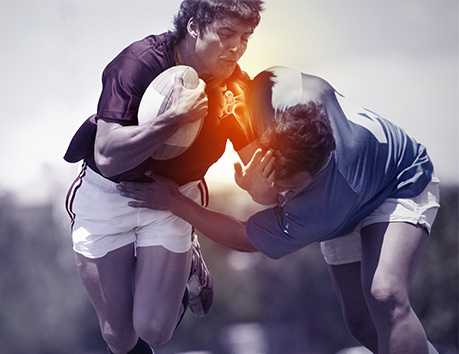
[(389, 301), (119, 341), (153, 331)]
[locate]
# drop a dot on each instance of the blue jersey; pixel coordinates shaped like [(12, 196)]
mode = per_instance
[(373, 160)]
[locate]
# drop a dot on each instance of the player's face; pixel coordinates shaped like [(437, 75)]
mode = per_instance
[(294, 183), (219, 47)]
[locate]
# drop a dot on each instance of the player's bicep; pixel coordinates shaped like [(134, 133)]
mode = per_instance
[(105, 140), (105, 127)]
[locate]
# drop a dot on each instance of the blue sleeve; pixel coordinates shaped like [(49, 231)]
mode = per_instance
[(271, 233), (323, 210)]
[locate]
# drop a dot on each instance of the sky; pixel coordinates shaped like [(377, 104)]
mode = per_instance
[(397, 58)]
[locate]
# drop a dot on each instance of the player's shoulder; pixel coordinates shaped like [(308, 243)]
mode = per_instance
[(238, 82), (292, 78), (316, 83), (317, 89), (239, 76), (154, 43), (146, 57)]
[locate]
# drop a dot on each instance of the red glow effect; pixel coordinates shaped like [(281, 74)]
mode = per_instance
[(230, 99), (237, 105)]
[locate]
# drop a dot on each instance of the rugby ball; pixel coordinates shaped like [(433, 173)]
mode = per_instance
[(158, 98)]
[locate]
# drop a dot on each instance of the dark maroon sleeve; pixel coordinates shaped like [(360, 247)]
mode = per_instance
[(124, 81)]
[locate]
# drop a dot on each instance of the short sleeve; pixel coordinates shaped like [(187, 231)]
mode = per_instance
[(238, 136), (271, 233), (124, 81)]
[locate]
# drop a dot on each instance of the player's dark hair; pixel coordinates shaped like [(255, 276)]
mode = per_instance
[(206, 11), (301, 140)]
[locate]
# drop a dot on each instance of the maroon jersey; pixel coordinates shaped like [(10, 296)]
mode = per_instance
[(124, 80)]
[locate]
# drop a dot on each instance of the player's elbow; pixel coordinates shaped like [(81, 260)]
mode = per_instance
[(248, 248), (104, 163), (242, 240)]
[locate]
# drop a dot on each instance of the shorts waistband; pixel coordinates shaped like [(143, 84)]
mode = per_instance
[(107, 184)]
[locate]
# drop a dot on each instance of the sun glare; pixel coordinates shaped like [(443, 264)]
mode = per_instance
[(222, 172)]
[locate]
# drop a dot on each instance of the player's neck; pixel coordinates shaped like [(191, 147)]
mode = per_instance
[(185, 54), (178, 55)]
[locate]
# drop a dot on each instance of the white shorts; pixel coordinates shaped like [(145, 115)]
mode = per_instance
[(102, 221), (418, 210)]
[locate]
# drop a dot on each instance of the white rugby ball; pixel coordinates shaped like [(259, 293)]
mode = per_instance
[(158, 98)]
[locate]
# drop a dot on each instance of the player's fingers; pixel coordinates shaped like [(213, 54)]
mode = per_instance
[(237, 169), (126, 192), (266, 158), (256, 158), (137, 204), (131, 186), (268, 169), (133, 191), (156, 177), (271, 177), (151, 174), (178, 80), (201, 85), (160, 180), (124, 187)]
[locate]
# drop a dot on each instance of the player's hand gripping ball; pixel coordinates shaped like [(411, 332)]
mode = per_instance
[(158, 98)]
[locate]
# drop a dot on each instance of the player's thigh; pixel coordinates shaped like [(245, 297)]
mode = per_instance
[(343, 256), (391, 253), (345, 278), (161, 278), (347, 283), (109, 283)]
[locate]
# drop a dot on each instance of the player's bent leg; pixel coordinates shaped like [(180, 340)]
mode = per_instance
[(343, 256), (346, 280), (108, 282), (161, 278), (391, 253), (200, 283)]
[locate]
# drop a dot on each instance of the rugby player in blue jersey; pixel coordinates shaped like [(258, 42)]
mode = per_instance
[(340, 175)]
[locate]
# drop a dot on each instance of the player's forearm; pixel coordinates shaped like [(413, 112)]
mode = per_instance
[(121, 148), (221, 228)]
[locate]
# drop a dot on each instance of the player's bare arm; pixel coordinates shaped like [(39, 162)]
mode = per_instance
[(119, 148), (163, 194)]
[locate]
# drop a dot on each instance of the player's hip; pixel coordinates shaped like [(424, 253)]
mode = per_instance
[(103, 221)]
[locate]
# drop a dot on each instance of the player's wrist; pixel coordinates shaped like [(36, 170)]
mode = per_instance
[(181, 205)]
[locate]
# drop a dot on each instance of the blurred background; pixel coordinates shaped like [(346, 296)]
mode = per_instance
[(397, 58)]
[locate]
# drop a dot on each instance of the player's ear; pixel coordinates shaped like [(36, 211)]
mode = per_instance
[(193, 28)]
